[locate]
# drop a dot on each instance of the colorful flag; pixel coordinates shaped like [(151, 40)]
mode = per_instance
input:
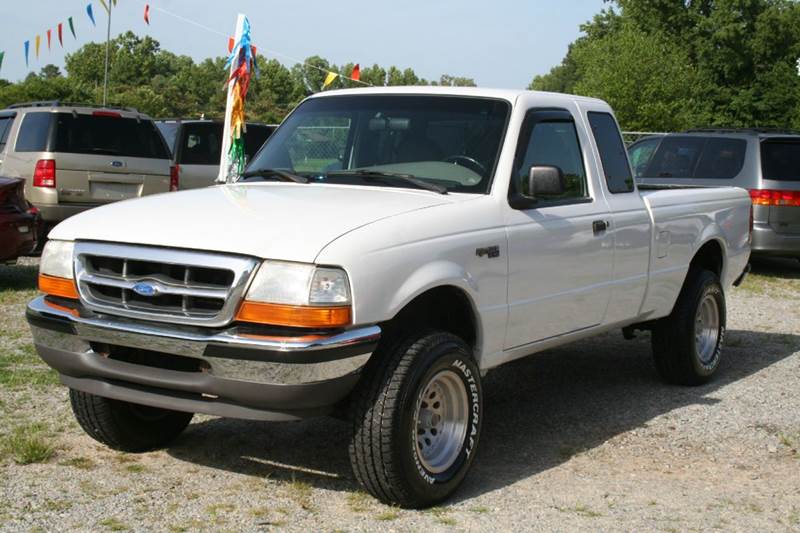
[(2, 55), (72, 27), (356, 74), (147, 13), (330, 78), (90, 12), (49, 37), (27, 49), (61, 34), (105, 6), (37, 43)]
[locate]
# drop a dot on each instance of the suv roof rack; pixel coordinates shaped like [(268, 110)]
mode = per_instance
[(754, 131), (58, 103)]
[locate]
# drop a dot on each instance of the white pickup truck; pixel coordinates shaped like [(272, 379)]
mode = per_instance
[(384, 250)]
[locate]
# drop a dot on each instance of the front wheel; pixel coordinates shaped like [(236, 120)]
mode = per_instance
[(125, 426), (687, 344), (417, 418)]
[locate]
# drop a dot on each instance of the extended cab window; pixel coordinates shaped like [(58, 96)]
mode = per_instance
[(612, 152), (640, 154), (550, 139)]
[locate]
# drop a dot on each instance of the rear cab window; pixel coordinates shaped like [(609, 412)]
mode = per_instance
[(780, 159), (200, 143), (612, 152)]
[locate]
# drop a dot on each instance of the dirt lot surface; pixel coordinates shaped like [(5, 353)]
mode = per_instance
[(580, 437)]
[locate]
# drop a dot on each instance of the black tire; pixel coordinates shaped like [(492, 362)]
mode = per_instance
[(126, 426), (384, 445), (675, 349)]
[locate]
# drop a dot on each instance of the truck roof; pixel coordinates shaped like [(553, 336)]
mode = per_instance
[(506, 94)]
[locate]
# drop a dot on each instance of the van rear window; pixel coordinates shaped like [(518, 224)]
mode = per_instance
[(108, 135), (780, 159), (697, 158)]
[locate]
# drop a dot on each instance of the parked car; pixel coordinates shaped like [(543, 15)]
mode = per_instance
[(19, 223), (196, 148), (76, 156), (765, 162), (459, 229)]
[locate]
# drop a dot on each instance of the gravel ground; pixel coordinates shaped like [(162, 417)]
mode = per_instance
[(580, 437)]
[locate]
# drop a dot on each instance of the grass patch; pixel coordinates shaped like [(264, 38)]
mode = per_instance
[(113, 524), (388, 515), (300, 492), (82, 463), (580, 509), (135, 468), (359, 502), (480, 509), (440, 514), (27, 445)]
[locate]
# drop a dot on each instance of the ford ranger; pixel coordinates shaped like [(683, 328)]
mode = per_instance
[(384, 250)]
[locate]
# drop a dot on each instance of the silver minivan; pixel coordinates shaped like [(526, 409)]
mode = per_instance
[(196, 147), (765, 162), (76, 156)]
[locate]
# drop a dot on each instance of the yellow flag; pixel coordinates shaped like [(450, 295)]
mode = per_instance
[(330, 78), (38, 42), (105, 6)]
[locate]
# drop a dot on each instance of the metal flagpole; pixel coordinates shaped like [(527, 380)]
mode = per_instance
[(108, 44)]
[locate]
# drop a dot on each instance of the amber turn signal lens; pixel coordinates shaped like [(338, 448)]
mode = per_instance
[(297, 316), (61, 287)]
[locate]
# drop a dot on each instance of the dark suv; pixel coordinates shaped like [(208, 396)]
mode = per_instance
[(765, 162)]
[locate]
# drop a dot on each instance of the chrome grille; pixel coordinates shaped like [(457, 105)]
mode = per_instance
[(166, 285)]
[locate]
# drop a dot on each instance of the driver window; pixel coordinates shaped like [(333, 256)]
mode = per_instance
[(554, 143)]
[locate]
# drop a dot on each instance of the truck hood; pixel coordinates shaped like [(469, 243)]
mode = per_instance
[(272, 220)]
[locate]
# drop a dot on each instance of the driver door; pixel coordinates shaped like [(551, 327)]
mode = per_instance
[(560, 257)]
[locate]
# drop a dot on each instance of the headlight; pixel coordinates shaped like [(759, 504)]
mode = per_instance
[(297, 295), (55, 270)]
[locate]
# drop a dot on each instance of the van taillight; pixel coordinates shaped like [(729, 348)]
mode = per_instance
[(775, 197), (174, 177), (44, 175)]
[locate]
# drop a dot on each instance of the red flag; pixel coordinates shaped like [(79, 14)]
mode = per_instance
[(254, 50), (231, 44), (60, 34), (147, 13), (49, 36), (356, 74)]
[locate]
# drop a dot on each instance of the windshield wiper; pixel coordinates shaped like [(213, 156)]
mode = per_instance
[(282, 175), (370, 175)]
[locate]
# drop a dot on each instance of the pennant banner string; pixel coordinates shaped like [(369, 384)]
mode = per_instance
[(90, 12), (60, 32), (271, 52)]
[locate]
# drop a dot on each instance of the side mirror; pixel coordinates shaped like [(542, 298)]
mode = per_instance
[(545, 180)]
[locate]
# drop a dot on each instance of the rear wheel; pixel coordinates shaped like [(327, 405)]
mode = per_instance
[(416, 420), (687, 344), (126, 426)]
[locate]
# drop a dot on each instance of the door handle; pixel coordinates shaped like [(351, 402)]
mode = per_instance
[(599, 226)]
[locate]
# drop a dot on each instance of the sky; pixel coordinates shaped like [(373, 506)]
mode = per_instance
[(499, 43)]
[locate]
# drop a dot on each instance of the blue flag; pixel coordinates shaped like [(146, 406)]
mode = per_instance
[(90, 13), (27, 48)]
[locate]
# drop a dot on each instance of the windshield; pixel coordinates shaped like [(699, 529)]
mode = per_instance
[(451, 142)]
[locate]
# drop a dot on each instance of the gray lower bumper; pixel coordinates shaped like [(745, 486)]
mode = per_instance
[(229, 372), (767, 241)]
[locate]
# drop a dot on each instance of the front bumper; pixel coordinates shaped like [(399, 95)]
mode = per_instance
[(232, 372)]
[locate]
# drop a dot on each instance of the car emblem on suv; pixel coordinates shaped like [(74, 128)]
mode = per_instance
[(145, 289), (116, 164)]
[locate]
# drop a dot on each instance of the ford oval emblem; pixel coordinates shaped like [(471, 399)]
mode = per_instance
[(116, 164), (145, 289)]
